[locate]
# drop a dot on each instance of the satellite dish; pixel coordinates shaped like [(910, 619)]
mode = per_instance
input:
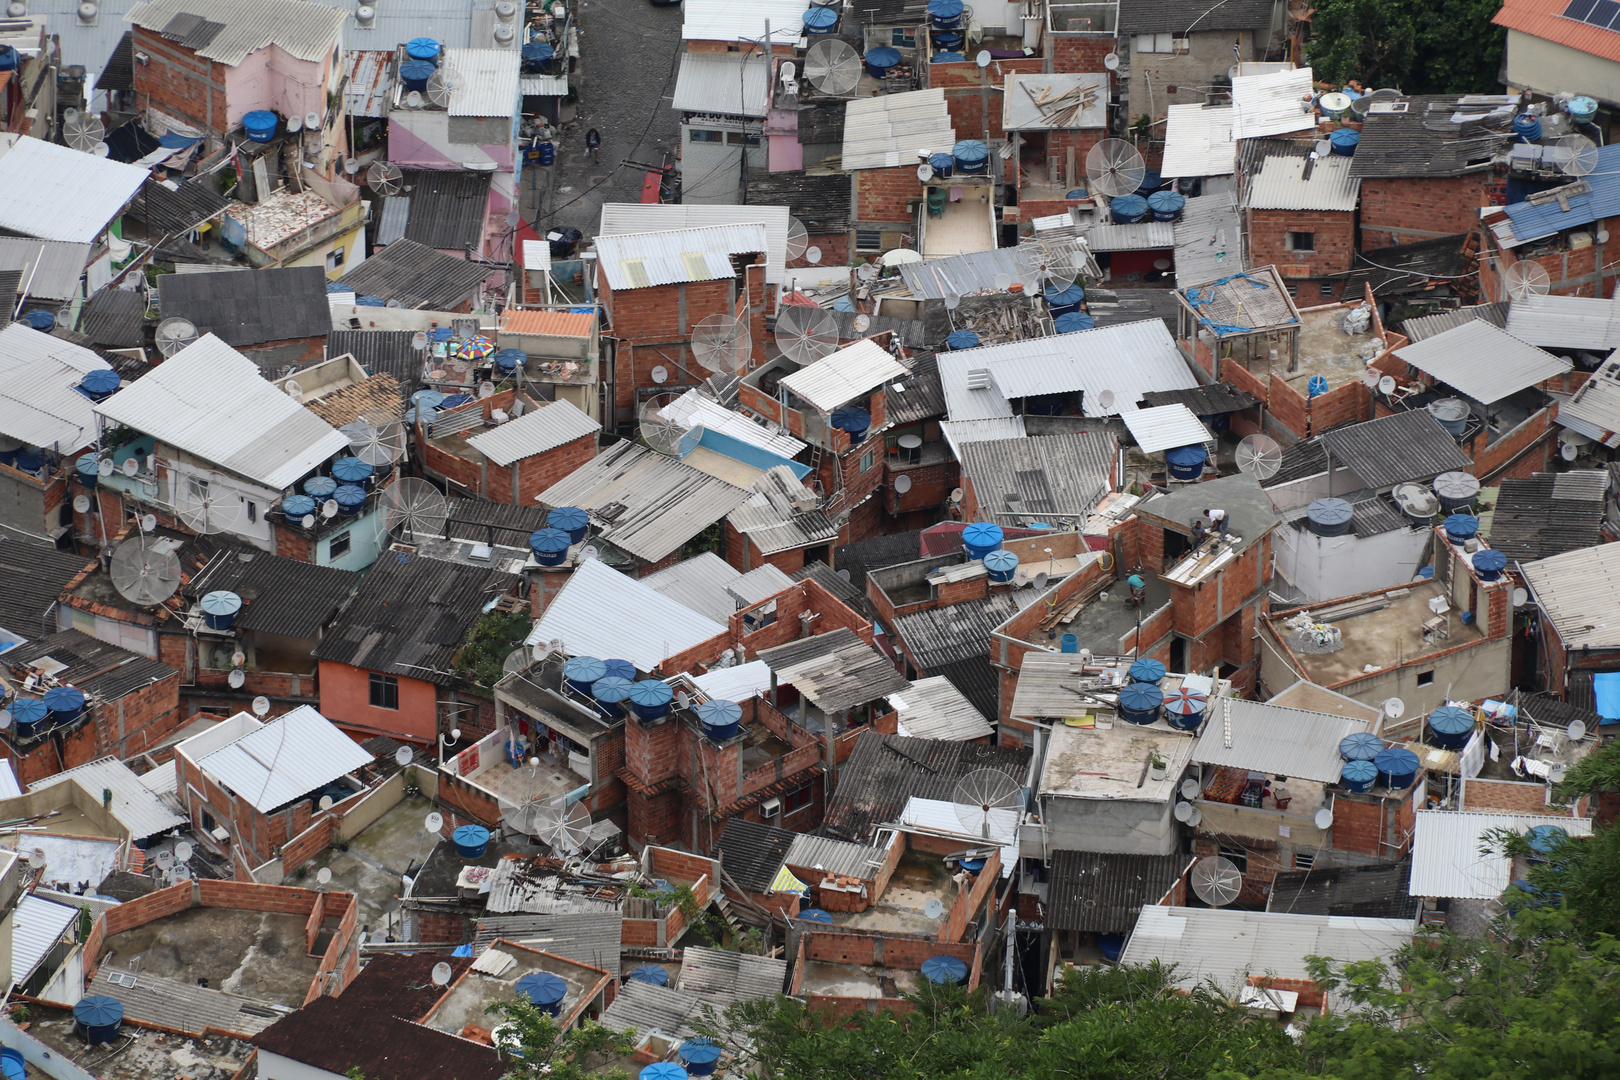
[(1189, 788), (798, 238), (806, 334), (1576, 730), (376, 438), (660, 374), (925, 172), (442, 85), (236, 678), (683, 699), (351, 166), (1258, 455), (385, 178), (952, 301), (1115, 167), (238, 658), (204, 511), (562, 828), (1556, 772), (434, 822), (981, 792), (983, 59), (308, 521), (1105, 401), (1520, 598), (83, 132), (148, 522), (325, 802), (261, 705), (812, 254), (5, 719), (295, 124), (1111, 61), (862, 322), (323, 875), (721, 343), (1216, 880), (415, 508), (1579, 155), (419, 341), (659, 430), (1386, 385), (934, 908), (833, 66), (902, 483), (1184, 810), (144, 574), (131, 466), (1324, 818), (104, 467), (164, 858), (957, 495), (1394, 708), (1568, 451), (486, 389), (182, 851), (312, 121), (866, 271), (402, 756), (1524, 279), (81, 504), (174, 334), (1039, 581), (441, 973)]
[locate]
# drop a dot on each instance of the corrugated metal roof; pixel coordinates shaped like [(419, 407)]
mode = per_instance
[(1446, 856), (36, 926), (1528, 221), (1566, 322), (1273, 104), (134, 805), (1020, 113), (723, 84), (939, 817), (772, 524), (1579, 592), (1165, 427), (640, 260), (1483, 362), (643, 502), (954, 632), (1545, 19), (101, 669), (935, 709), (699, 583), (548, 323), (535, 432), (724, 20), (545, 86), (304, 30), (736, 683), (51, 270), (55, 193), (1103, 893), (960, 275), (40, 405), (1209, 240), (1105, 236), (396, 215), (694, 408), (760, 583), (489, 81), (1226, 947), (1594, 409), (1427, 326), (887, 131), (369, 83), (601, 612), (417, 276), (1127, 359), (195, 1010), (838, 857), (655, 217), (214, 403), (1391, 449), (1198, 142), (1271, 739), (297, 753), (1282, 184), (834, 671), (841, 377), (720, 973), (586, 937), (163, 779), (960, 433)]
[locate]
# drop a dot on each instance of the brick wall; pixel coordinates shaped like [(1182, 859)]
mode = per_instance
[(1404, 210), (179, 82), (1080, 53), (1369, 825), (1335, 241), (1505, 796), (884, 196), (130, 724)]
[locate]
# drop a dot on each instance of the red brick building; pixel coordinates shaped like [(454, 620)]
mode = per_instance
[(1302, 219), (506, 448)]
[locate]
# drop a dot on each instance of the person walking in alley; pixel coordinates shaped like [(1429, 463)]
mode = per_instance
[(593, 145)]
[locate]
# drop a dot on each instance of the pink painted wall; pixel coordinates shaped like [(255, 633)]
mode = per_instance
[(782, 148), (271, 79)]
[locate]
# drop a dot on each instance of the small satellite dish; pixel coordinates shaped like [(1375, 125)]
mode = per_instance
[(261, 705), (1020, 578), (323, 875), (104, 467), (433, 822), (866, 272), (1520, 598), (934, 908), (957, 495), (660, 374), (683, 699), (236, 678), (81, 504), (1105, 399), (1189, 788), (182, 851), (379, 936), (5, 719), (325, 803), (441, 973), (308, 521), (1184, 810), (351, 166), (90, 890), (1324, 818), (1568, 451), (952, 301), (164, 858), (131, 466), (1111, 61), (925, 172), (983, 59), (238, 658), (329, 508), (1386, 385), (1039, 581), (862, 322), (486, 389), (1196, 817), (1576, 730), (419, 341), (148, 522), (1394, 708), (812, 254), (1556, 772), (402, 756), (902, 483)]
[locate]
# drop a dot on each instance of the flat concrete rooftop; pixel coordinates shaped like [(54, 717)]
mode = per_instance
[(1391, 633), (257, 954)]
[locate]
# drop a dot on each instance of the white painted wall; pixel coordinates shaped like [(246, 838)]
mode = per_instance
[(1548, 66), (1326, 567), (277, 1067), (1119, 826)]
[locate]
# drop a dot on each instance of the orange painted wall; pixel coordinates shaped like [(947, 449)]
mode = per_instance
[(346, 701)]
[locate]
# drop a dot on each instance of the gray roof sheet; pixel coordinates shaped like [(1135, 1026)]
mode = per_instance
[(1534, 520), (752, 852), (1374, 892), (1422, 139), (922, 396), (115, 318), (103, 671), (1483, 362), (1273, 739), (448, 209), (1392, 449), (50, 269), (820, 201), (1173, 17), (884, 771), (1039, 477), (978, 681), (1566, 322), (1209, 400), (699, 583), (839, 857), (589, 937), (1578, 591), (1427, 326), (251, 307), (32, 577), (835, 671), (279, 595), (386, 351), (1100, 893), (306, 31), (418, 276), (953, 632), (934, 708), (194, 1010), (135, 805), (1209, 239), (170, 210)]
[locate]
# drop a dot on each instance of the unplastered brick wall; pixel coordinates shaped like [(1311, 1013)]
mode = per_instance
[(885, 196), (1507, 796), (1404, 210), (1333, 243), (179, 82), (806, 596)]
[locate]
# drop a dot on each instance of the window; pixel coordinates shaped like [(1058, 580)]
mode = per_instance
[(1426, 678), (701, 135), (338, 546), (198, 488), (384, 691), (868, 240), (1236, 856), (1155, 43), (1299, 241), (866, 461), (334, 259), (253, 510), (797, 799), (1304, 862)]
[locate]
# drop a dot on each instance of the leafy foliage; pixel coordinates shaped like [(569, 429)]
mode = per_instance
[(1594, 774), (548, 1051), (1441, 47), (489, 642)]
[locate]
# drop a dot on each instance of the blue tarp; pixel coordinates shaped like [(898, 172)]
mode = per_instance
[(1606, 695)]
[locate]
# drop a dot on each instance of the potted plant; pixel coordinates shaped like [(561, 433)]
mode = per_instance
[(1157, 768)]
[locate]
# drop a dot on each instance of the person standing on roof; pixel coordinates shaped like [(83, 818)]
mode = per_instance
[(1217, 520)]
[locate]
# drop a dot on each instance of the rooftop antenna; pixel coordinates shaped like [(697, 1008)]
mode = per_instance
[(833, 66), (174, 334), (806, 334), (1259, 456), (1580, 155), (1524, 279), (441, 973), (1115, 167), (143, 574), (562, 827), (798, 239), (442, 86), (415, 508), (982, 791), (1216, 880), (205, 511), (1394, 708), (261, 705), (659, 430), (385, 178), (376, 438), (720, 343), (516, 660), (83, 131)]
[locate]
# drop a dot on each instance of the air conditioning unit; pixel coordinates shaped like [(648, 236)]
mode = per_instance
[(771, 807)]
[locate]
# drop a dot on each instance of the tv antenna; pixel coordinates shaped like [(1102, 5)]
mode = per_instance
[(144, 574), (415, 508), (1580, 155), (1216, 880), (563, 828), (833, 67), (376, 439), (84, 132), (385, 178), (1524, 279), (981, 792), (174, 334), (1115, 167), (204, 511), (798, 239), (806, 334), (1259, 456), (720, 343)]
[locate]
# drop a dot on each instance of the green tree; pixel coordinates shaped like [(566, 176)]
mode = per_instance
[(1440, 47), (489, 642), (545, 1050)]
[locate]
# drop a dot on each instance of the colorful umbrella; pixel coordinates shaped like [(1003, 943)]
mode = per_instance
[(475, 348)]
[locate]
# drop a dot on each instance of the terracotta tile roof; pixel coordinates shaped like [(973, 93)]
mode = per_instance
[(1545, 19), (380, 393), (550, 323)]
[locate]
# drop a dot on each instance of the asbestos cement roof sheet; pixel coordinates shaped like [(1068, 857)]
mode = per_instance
[(1446, 856), (959, 275), (760, 583), (303, 30), (841, 377), (960, 433), (489, 81), (935, 709), (294, 755), (40, 404), (416, 275), (1106, 236), (1267, 738), (1579, 591), (1165, 427), (752, 853), (725, 20), (135, 806), (885, 771), (724, 84), (660, 217), (587, 937), (1391, 449), (1272, 104), (54, 193), (1594, 409), (1284, 184), (601, 612), (1198, 142), (641, 260), (721, 973), (887, 131), (695, 409), (1093, 892), (839, 857), (736, 683), (36, 926), (1209, 239), (215, 404), (953, 632), (1427, 326), (50, 269), (834, 671), (1483, 362), (535, 432), (1040, 477), (1566, 322), (699, 583)]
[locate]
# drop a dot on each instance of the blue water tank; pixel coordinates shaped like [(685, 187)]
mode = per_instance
[(620, 669), (1582, 109), (1527, 126), (651, 699), (13, 1066), (1074, 322), (549, 546), (1358, 776), (40, 320), (1451, 727), (414, 74), (1128, 209), (30, 715), (820, 20), (423, 48), (1184, 709), (88, 469), (536, 55), (610, 692), (720, 719), (949, 39), (1489, 564), (1329, 517), (1397, 768), (981, 538), (651, 973), (1344, 142), (543, 990), (945, 14), (97, 1018), (470, 841), (571, 520), (1185, 462), (662, 1070), (972, 157), (815, 915), (961, 339), (852, 420), (1542, 840), (1360, 746), (321, 487), (509, 360), (29, 459), (65, 703), (1111, 946), (700, 1056), (351, 498), (8, 58), (1147, 670), (220, 609), (1139, 703), (1166, 205), (882, 60), (1151, 182), (351, 470), (944, 969), (1001, 565), (100, 385), (1069, 643), (1062, 299), (582, 671), (370, 301), (297, 507), (260, 125), (1461, 527)]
